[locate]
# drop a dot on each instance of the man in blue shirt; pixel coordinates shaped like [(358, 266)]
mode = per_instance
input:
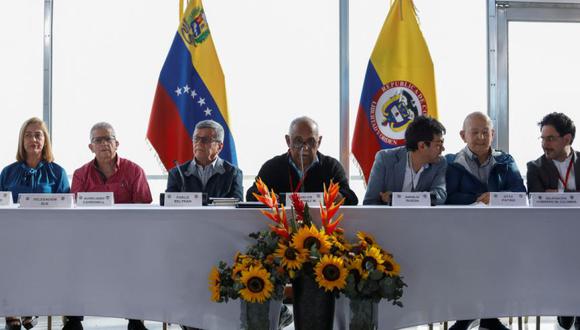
[(477, 169), (474, 172)]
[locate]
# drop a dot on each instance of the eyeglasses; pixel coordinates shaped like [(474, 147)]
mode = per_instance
[(34, 135), (437, 143), (549, 138), (204, 139), (299, 144), (101, 139)]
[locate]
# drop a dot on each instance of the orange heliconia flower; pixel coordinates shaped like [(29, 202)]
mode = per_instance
[(276, 214), (329, 209)]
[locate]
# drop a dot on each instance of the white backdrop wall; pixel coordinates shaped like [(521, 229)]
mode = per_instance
[(543, 71), (280, 60)]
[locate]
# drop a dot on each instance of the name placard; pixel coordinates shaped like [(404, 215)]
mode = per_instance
[(183, 199), (313, 199), (5, 198), (411, 199), (85, 199), (507, 198), (555, 199), (46, 201)]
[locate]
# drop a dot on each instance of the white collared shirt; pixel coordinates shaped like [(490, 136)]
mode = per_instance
[(411, 178), (562, 169)]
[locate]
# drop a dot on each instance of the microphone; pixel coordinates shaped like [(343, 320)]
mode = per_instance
[(302, 160), (302, 166), (180, 175)]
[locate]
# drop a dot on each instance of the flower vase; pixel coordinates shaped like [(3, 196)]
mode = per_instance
[(364, 314), (260, 316), (313, 307)]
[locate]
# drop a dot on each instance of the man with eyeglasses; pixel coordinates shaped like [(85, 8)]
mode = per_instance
[(108, 172), (417, 166), (473, 173), (207, 172), (303, 168), (556, 169)]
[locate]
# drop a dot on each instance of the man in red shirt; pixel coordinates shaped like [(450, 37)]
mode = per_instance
[(109, 173)]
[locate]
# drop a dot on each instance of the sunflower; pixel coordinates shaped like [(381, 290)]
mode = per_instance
[(330, 273), (339, 243), (292, 258), (355, 265), (391, 267), (366, 239), (257, 285), (238, 269), (242, 262), (373, 259), (307, 237), (214, 284), (269, 260)]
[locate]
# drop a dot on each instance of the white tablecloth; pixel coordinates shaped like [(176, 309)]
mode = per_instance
[(152, 263)]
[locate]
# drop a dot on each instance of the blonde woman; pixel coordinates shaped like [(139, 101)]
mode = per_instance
[(33, 172)]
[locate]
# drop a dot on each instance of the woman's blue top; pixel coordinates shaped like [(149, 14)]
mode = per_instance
[(45, 178)]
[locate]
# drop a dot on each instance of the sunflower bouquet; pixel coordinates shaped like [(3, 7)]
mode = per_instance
[(304, 249), (295, 249), (373, 272), (256, 275)]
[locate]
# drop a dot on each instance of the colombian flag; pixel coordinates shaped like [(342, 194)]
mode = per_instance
[(399, 85), (191, 88)]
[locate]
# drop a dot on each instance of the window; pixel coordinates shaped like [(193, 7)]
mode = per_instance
[(457, 43), (21, 67)]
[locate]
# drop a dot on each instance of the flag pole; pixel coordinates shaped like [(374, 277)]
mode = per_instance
[(344, 88), (47, 66)]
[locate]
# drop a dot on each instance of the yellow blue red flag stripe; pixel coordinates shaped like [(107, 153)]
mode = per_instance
[(399, 85), (191, 88)]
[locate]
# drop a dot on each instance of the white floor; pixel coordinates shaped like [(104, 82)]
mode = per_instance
[(99, 323), (102, 323)]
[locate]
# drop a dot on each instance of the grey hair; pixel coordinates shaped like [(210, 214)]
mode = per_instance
[(477, 114), (102, 125), (304, 119), (219, 130)]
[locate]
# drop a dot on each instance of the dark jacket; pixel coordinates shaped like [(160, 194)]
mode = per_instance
[(278, 174), (464, 188), (225, 182), (543, 174)]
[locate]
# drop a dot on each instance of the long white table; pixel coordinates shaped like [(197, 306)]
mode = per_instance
[(152, 263)]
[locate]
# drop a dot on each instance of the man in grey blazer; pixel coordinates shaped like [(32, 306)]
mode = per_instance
[(418, 166)]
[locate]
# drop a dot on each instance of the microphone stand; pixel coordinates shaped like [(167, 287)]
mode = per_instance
[(302, 168), (180, 175)]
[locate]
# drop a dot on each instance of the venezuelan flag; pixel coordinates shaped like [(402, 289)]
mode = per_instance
[(191, 88), (399, 85)]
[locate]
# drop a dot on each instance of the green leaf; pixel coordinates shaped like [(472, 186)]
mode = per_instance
[(376, 275), (307, 217), (293, 224)]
